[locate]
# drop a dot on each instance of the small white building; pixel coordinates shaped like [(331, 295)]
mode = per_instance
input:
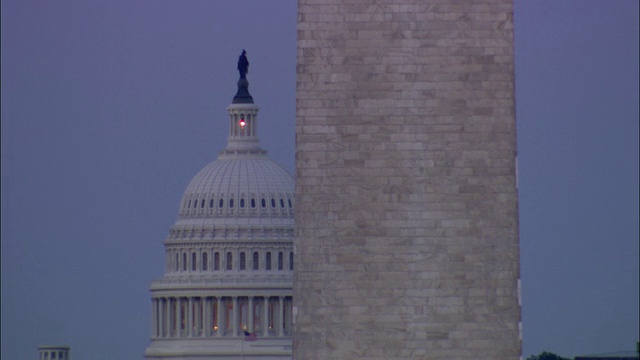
[(226, 292), (54, 352)]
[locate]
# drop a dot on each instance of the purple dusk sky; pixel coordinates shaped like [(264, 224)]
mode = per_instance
[(109, 108)]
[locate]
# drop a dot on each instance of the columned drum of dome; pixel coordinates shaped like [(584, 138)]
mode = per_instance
[(227, 288)]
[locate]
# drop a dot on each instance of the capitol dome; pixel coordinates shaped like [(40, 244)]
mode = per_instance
[(250, 187), (229, 256)]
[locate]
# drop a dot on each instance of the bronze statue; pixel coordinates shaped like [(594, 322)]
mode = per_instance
[(243, 64), (243, 96)]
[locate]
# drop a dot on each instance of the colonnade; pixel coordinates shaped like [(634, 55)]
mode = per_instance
[(221, 316), (228, 259)]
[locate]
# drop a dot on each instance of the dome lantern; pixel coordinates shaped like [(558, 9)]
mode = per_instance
[(243, 117)]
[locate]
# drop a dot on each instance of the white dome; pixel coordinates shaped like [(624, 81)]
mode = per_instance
[(241, 187)]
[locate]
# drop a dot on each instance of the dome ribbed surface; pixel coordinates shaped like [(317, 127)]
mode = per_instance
[(240, 187)]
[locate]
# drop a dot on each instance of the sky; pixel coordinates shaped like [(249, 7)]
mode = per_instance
[(109, 108)]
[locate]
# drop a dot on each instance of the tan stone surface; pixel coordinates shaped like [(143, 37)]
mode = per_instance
[(406, 204)]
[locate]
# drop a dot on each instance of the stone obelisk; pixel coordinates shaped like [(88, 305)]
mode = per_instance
[(406, 234)]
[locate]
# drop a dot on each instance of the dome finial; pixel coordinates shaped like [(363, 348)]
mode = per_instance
[(243, 64), (243, 96)]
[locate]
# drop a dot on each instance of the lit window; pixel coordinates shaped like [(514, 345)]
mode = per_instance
[(229, 315), (271, 313), (214, 311), (256, 315), (243, 312)]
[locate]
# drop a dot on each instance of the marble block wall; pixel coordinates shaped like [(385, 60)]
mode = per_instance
[(406, 235)]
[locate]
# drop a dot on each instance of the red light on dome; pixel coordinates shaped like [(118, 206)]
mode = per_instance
[(242, 123)]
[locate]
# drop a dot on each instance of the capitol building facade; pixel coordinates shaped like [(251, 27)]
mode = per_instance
[(227, 288)]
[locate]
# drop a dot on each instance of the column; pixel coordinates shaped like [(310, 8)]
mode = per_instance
[(206, 321), (199, 327), (235, 316), (250, 314), (167, 324), (265, 317), (280, 316), (220, 317), (154, 317), (160, 322), (179, 317), (190, 317)]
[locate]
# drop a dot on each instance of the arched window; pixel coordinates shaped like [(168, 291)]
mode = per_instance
[(202, 203), (256, 261), (184, 261), (193, 261), (273, 202), (243, 261), (205, 261), (263, 202), (268, 264), (228, 316), (211, 203), (231, 203), (214, 313), (216, 261), (229, 261), (280, 261), (221, 203), (291, 260), (243, 312), (257, 318), (177, 262), (195, 203), (253, 203), (242, 203), (189, 205), (290, 205), (272, 310), (281, 203)]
